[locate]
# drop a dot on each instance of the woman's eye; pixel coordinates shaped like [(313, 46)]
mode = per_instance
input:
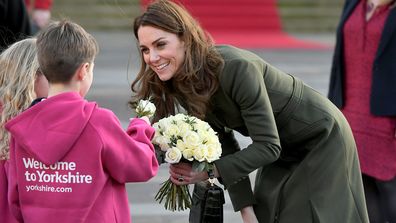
[(161, 45), (144, 50)]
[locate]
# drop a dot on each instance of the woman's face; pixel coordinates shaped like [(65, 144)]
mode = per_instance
[(162, 51)]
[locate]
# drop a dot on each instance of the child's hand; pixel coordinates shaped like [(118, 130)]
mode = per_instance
[(144, 118)]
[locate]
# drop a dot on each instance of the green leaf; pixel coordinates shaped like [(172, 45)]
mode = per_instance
[(198, 166)]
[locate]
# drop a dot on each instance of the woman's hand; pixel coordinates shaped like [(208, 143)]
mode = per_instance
[(248, 215), (183, 174)]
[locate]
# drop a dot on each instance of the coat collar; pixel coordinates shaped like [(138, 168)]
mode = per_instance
[(349, 6), (389, 31), (389, 28)]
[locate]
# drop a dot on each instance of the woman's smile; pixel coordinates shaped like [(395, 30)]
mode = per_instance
[(162, 66)]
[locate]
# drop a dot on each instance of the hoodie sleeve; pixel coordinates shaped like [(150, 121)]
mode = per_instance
[(129, 156), (11, 175), (5, 213)]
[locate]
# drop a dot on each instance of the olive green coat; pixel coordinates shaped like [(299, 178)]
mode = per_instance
[(302, 146)]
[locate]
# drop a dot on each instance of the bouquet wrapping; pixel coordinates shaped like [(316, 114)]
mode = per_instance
[(184, 138)]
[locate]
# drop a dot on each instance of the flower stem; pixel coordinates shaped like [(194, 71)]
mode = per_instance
[(176, 197)]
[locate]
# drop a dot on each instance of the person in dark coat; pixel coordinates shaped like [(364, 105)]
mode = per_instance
[(14, 22), (363, 85), (302, 146)]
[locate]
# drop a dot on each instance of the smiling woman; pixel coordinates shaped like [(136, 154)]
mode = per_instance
[(302, 146)]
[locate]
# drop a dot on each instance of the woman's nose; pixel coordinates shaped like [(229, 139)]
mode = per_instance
[(154, 56)]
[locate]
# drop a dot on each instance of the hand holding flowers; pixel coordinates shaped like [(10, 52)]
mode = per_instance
[(189, 139), (190, 176)]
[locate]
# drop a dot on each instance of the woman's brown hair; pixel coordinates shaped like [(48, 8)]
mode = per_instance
[(196, 80)]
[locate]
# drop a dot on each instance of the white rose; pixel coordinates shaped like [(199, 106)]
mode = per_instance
[(181, 145), (213, 153), (163, 142), (163, 123), (179, 117), (173, 155), (156, 126), (145, 108), (203, 136), (192, 139), (200, 153), (157, 134), (171, 130), (184, 129), (188, 154), (212, 139), (164, 146)]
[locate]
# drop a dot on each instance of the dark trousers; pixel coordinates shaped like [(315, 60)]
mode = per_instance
[(380, 199)]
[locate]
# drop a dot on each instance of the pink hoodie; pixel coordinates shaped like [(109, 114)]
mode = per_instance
[(70, 160), (5, 214)]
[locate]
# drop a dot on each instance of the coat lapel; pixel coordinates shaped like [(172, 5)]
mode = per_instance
[(348, 10), (388, 32)]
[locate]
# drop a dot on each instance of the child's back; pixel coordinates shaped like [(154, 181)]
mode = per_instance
[(70, 159)]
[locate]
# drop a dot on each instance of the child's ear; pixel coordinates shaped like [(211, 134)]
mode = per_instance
[(83, 71)]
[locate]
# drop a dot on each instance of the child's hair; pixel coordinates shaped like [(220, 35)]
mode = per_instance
[(62, 48), (18, 71)]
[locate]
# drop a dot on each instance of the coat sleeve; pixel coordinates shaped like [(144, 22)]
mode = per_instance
[(241, 194), (128, 156), (243, 81)]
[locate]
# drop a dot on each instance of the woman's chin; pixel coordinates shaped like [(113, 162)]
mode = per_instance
[(164, 77)]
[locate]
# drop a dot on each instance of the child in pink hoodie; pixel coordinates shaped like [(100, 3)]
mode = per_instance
[(69, 159), (20, 83)]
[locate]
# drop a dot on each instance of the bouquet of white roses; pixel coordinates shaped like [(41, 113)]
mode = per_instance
[(188, 138)]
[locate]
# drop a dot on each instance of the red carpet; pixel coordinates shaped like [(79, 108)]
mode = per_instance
[(244, 23), (279, 40)]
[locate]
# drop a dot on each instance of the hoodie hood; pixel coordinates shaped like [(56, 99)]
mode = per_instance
[(49, 129)]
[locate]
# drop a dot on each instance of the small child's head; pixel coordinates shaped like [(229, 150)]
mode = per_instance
[(66, 52), (20, 78), (20, 83)]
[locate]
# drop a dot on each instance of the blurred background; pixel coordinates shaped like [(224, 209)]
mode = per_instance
[(296, 36), (297, 16)]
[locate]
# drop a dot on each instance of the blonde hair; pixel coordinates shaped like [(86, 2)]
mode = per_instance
[(18, 68)]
